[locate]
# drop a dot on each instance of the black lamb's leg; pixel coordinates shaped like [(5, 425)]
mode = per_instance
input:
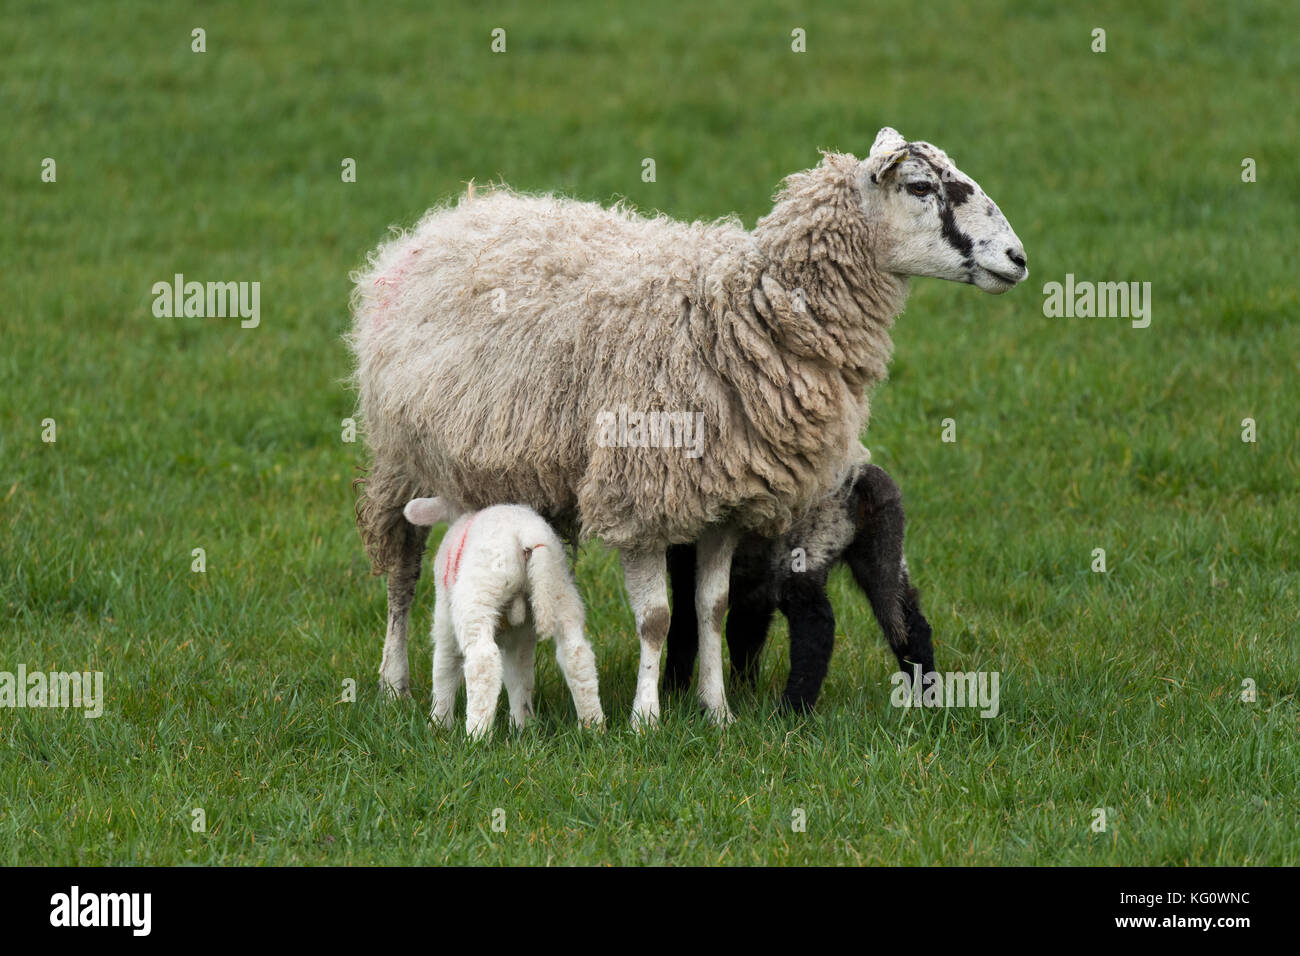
[(919, 649), (748, 622), (875, 557), (753, 602), (812, 638), (683, 630)]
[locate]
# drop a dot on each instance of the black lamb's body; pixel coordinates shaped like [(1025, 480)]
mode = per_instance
[(862, 525)]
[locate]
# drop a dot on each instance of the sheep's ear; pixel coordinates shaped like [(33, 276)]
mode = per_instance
[(426, 511), (887, 151)]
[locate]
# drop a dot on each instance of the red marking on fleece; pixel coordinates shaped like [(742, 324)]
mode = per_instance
[(453, 563), (389, 282)]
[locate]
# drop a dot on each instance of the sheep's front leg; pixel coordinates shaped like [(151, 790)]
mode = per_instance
[(394, 669), (518, 648), (713, 575), (645, 578)]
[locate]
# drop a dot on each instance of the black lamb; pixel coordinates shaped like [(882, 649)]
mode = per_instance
[(862, 525)]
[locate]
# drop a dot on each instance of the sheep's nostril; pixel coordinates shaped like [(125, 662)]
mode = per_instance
[(1017, 257)]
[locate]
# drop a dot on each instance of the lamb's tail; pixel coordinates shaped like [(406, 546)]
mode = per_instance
[(552, 594)]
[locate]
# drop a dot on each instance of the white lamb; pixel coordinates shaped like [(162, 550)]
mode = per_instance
[(502, 581)]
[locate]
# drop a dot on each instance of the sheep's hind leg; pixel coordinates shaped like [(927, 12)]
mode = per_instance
[(394, 668), (713, 576), (645, 579)]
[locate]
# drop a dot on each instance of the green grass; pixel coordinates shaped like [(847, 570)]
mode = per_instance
[(224, 688)]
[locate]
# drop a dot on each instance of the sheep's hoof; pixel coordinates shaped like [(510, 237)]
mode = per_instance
[(644, 720), (395, 690), (720, 716)]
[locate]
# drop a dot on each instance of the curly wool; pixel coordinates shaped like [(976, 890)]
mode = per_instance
[(490, 339)]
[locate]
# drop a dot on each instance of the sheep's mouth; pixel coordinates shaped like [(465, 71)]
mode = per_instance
[(995, 282)]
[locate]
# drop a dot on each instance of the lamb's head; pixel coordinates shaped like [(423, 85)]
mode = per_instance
[(934, 220)]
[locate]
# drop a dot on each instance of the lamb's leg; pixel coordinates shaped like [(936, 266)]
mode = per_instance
[(919, 649), (748, 622), (645, 581), (483, 668), (713, 575), (517, 651), (394, 668), (683, 636), (875, 556), (448, 667), (578, 664), (812, 638)]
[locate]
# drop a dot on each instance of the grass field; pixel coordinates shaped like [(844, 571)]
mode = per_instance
[(224, 689)]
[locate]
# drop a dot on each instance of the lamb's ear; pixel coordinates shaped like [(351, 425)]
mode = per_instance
[(887, 151), (426, 511)]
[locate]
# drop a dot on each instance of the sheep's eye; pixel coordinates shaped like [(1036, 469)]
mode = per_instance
[(919, 189)]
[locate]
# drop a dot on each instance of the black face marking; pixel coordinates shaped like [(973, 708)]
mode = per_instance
[(958, 192), (952, 235)]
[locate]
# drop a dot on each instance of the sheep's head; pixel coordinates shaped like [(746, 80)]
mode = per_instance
[(934, 220)]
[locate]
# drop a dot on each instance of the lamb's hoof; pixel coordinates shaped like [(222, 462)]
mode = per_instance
[(797, 706), (596, 722), (395, 690)]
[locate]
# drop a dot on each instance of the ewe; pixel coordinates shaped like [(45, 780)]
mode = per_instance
[(494, 339), (502, 580)]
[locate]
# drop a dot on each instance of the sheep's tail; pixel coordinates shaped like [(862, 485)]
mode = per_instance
[(552, 595)]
